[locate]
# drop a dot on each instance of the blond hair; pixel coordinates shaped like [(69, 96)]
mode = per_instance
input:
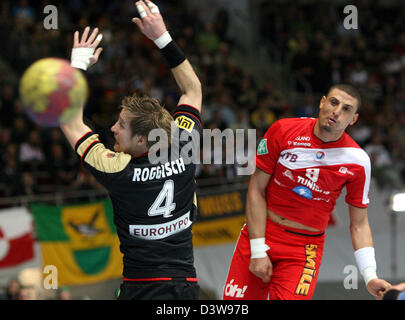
[(146, 114)]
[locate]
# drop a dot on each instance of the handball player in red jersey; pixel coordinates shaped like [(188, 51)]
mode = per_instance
[(302, 165)]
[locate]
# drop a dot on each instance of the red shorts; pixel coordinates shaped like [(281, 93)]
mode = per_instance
[(296, 257)]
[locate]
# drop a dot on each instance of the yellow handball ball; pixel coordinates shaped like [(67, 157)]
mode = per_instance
[(52, 91)]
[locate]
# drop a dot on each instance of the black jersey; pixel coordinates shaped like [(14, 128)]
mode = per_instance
[(154, 204)]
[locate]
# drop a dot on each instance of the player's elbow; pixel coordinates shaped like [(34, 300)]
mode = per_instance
[(194, 87), (359, 227)]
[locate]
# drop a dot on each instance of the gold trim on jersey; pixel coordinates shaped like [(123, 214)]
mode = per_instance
[(101, 158), (195, 202)]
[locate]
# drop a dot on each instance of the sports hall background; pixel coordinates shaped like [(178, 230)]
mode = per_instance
[(258, 61)]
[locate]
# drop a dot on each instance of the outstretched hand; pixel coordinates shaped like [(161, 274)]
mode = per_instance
[(86, 58), (151, 22)]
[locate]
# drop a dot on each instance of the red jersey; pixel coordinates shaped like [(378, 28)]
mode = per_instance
[(308, 174)]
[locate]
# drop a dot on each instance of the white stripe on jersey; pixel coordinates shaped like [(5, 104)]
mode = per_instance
[(301, 158)]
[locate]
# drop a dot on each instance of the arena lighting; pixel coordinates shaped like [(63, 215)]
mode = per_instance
[(398, 202), (397, 206)]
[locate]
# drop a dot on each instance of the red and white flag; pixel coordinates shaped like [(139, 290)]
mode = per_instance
[(16, 237)]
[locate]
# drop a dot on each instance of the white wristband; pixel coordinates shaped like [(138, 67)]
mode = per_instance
[(163, 40), (365, 259), (369, 274), (81, 57), (258, 248)]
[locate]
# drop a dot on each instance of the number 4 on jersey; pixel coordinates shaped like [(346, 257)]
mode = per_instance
[(167, 193)]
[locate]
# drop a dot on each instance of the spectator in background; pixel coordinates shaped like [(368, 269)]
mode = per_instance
[(6, 105), (336, 72), (31, 155), (382, 164), (208, 39), (359, 75), (12, 290), (226, 107), (27, 186), (263, 117), (61, 169), (64, 293), (5, 141), (24, 13), (221, 24), (26, 293), (308, 107), (19, 130), (241, 122), (247, 98), (10, 176), (361, 133)]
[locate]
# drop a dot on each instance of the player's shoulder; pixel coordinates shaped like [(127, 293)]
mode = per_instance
[(93, 153), (350, 142), (353, 148), (186, 117), (292, 122), (291, 126)]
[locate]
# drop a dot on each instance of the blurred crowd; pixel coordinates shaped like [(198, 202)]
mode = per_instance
[(17, 291), (310, 38), (321, 52), (28, 286)]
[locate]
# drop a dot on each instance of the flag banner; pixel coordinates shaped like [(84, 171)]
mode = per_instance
[(79, 240), (221, 216), (16, 237)]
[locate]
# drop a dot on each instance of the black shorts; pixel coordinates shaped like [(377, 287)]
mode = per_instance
[(175, 289)]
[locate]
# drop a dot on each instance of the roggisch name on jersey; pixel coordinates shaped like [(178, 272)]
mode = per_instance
[(160, 171)]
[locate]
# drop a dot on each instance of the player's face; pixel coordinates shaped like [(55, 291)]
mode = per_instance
[(124, 140), (337, 111)]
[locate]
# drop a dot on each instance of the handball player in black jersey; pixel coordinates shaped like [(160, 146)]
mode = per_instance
[(154, 203)]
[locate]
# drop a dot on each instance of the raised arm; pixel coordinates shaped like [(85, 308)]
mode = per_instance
[(84, 55), (152, 26)]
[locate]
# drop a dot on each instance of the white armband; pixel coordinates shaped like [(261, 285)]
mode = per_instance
[(81, 57), (258, 248), (163, 40), (365, 259)]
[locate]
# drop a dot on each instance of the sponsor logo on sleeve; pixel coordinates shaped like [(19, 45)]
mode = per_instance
[(262, 148), (185, 123)]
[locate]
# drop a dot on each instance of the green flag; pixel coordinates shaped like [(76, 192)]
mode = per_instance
[(80, 240)]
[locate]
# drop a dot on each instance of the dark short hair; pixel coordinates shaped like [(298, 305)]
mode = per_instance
[(350, 90)]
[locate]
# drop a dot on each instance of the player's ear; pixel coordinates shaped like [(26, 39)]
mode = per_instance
[(354, 120), (140, 140), (323, 99)]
